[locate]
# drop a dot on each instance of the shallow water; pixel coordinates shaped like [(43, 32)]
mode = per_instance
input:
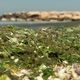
[(40, 24)]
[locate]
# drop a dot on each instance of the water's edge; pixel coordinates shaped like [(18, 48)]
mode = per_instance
[(40, 24)]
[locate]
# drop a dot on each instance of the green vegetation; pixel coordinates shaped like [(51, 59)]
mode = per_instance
[(23, 48)]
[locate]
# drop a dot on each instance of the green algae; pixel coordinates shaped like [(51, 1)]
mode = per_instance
[(30, 48)]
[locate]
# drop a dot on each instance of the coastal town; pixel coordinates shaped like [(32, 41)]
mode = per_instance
[(41, 16)]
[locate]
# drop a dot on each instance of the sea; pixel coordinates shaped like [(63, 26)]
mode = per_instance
[(31, 24)]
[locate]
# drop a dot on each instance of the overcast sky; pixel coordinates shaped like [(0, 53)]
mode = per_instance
[(39, 5)]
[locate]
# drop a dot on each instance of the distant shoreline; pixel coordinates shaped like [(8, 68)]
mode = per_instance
[(37, 16)]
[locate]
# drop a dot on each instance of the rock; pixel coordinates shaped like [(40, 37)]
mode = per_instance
[(76, 68), (22, 73), (56, 79), (39, 77), (25, 78), (4, 77), (62, 74), (40, 16), (78, 71), (65, 62)]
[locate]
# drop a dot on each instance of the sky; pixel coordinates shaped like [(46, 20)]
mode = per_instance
[(38, 5)]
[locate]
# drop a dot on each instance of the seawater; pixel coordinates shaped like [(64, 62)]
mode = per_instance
[(40, 24)]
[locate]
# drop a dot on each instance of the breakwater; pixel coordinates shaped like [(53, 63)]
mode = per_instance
[(51, 16)]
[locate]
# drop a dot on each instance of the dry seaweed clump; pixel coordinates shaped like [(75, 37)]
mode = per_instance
[(28, 53)]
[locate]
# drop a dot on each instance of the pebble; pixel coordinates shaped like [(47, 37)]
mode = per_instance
[(61, 72), (25, 78)]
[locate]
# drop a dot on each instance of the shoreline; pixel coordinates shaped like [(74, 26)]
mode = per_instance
[(32, 24)]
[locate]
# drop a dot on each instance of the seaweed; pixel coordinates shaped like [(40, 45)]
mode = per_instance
[(30, 48)]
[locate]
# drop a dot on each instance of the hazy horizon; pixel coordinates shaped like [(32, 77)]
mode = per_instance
[(38, 5)]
